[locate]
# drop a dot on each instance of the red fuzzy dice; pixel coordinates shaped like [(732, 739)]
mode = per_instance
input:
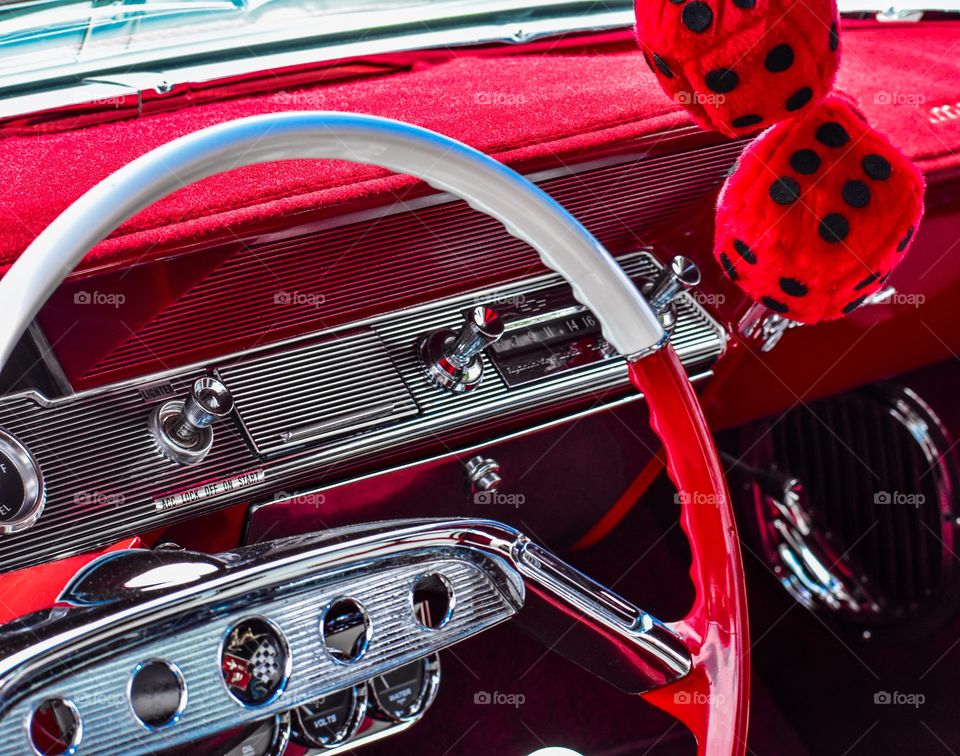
[(740, 66), (817, 214)]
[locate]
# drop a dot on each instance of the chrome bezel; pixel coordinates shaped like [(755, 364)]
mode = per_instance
[(34, 490), (358, 713), (78, 736), (425, 699), (451, 599), (159, 423), (367, 631), (287, 665), (181, 706)]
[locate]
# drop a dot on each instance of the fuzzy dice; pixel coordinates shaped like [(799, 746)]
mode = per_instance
[(817, 213), (740, 66)]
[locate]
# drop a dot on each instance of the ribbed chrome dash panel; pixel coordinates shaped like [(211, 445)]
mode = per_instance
[(106, 479), (341, 385)]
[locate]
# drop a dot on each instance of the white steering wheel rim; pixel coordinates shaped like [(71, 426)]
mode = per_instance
[(525, 210)]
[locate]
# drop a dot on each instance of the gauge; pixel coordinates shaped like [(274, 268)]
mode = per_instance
[(22, 494), (255, 661), (406, 692), (330, 720)]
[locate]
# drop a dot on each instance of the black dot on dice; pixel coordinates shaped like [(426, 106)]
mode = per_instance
[(834, 228), (798, 99), (805, 161), (856, 193), (728, 266), (876, 167), (744, 251), (662, 65), (834, 37), (779, 59), (866, 281), (832, 134), (697, 16), (775, 304), (784, 191), (793, 287), (747, 120), (853, 305), (722, 80), (745, 4), (905, 240), (678, 2)]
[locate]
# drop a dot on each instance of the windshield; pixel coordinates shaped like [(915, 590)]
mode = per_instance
[(83, 35)]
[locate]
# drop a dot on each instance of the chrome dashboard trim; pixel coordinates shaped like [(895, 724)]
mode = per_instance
[(105, 623), (104, 476)]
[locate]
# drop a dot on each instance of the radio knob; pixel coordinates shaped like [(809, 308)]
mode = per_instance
[(22, 492), (452, 360)]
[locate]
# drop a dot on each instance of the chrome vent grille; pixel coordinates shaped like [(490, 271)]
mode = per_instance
[(879, 475), (268, 291)]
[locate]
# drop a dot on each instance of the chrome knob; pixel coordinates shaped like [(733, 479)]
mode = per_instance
[(182, 428), (680, 275), (483, 474), (452, 360), (207, 401)]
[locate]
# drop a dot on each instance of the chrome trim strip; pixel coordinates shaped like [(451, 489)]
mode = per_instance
[(175, 605), (128, 96)]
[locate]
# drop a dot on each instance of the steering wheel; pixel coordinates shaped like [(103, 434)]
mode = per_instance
[(712, 700)]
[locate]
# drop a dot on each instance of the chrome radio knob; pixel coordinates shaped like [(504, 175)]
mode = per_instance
[(182, 428), (452, 360)]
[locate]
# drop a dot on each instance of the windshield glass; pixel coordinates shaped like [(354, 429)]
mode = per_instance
[(40, 35)]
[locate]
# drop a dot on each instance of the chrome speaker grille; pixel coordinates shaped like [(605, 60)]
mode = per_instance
[(881, 483)]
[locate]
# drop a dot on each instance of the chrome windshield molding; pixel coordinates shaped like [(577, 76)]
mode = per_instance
[(102, 88), (123, 608), (526, 211)]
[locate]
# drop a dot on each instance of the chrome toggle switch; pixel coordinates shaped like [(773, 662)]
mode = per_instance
[(452, 360), (679, 275), (182, 428)]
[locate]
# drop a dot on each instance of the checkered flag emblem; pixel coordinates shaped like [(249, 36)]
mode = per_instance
[(264, 664)]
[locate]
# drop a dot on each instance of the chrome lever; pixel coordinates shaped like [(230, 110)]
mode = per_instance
[(679, 275), (182, 428), (452, 360)]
